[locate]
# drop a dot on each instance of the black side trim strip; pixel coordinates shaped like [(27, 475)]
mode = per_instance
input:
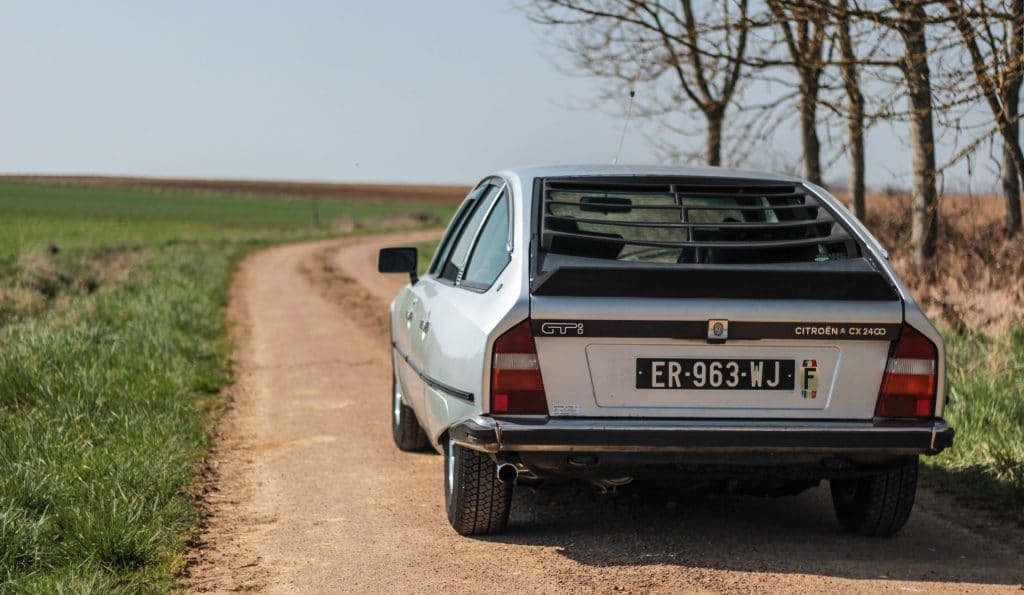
[(455, 392), (698, 329)]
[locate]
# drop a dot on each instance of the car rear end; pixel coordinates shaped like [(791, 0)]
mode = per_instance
[(711, 328)]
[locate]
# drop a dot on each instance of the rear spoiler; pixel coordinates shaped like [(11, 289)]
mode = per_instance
[(810, 281)]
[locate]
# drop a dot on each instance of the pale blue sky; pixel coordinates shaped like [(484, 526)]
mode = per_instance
[(312, 90)]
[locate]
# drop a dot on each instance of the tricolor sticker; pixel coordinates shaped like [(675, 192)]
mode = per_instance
[(809, 379)]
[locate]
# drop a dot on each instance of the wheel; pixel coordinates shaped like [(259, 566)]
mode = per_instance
[(477, 503), (878, 505), (405, 428)]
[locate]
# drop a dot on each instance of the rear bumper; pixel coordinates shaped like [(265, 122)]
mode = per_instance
[(840, 438)]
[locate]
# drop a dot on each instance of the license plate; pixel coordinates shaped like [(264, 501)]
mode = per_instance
[(715, 374)]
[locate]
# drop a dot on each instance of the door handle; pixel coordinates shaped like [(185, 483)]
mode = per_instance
[(424, 325), (409, 314)]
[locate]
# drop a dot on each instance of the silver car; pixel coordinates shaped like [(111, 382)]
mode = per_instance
[(613, 324)]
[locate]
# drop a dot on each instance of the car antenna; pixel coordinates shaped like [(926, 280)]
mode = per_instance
[(629, 107)]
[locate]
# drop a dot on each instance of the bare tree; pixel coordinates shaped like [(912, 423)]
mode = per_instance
[(1012, 178), (705, 53), (803, 26), (701, 54), (909, 20), (994, 40), (910, 24), (849, 70)]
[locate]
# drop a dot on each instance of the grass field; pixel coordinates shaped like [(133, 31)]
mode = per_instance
[(974, 292), (987, 409), (112, 354), (36, 215)]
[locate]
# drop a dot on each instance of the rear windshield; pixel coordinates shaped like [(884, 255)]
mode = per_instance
[(689, 223)]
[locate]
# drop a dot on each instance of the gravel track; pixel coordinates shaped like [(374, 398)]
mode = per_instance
[(306, 493)]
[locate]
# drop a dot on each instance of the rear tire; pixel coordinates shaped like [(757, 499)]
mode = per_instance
[(878, 505), (477, 503), (405, 429)]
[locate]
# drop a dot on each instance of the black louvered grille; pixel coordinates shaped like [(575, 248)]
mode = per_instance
[(686, 222)]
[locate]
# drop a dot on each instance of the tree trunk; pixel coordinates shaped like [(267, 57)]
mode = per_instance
[(854, 117), (1012, 177), (809, 128), (1011, 180), (716, 119), (925, 217), (855, 125), (997, 95)]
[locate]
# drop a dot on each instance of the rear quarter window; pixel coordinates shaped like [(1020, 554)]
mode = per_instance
[(490, 255), (456, 262)]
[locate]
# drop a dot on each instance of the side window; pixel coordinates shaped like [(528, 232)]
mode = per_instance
[(490, 255), (454, 228), (456, 263)]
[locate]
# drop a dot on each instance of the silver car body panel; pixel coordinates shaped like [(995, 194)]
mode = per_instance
[(443, 334)]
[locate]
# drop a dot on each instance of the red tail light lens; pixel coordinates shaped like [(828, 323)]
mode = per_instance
[(911, 377), (516, 384)]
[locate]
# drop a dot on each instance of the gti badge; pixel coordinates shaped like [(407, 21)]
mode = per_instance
[(718, 330), (561, 328), (809, 379)]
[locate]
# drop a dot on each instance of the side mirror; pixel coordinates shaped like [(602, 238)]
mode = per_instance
[(399, 260)]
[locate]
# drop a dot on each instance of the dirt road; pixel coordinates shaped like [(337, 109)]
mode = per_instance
[(307, 493)]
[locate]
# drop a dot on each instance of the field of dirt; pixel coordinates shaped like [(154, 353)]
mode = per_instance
[(434, 194), (306, 493)]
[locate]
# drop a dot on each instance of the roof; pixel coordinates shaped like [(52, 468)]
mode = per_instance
[(526, 174)]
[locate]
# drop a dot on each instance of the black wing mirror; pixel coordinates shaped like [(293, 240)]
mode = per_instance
[(399, 260)]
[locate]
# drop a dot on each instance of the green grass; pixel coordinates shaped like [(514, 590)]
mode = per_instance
[(426, 250), (106, 405), (36, 215), (113, 351), (986, 377)]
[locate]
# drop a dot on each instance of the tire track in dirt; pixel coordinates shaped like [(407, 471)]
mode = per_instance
[(306, 493)]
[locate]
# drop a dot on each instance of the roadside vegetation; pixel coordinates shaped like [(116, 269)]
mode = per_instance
[(113, 353), (987, 409), (975, 294), (426, 251)]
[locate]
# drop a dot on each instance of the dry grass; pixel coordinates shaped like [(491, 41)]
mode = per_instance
[(977, 279), (33, 281)]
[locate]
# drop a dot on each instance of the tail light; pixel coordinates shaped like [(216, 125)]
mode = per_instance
[(911, 377), (516, 385)]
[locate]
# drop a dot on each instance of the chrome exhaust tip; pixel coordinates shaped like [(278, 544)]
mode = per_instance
[(507, 473)]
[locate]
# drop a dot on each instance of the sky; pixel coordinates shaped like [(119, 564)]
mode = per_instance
[(398, 91)]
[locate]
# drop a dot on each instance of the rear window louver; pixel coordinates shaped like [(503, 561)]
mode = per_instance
[(704, 221)]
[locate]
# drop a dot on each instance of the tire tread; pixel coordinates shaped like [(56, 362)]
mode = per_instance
[(881, 504), (408, 434), (480, 503)]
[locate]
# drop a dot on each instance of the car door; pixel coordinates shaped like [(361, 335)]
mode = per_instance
[(413, 306), (463, 310)]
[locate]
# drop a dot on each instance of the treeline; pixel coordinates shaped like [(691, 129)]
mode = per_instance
[(942, 67)]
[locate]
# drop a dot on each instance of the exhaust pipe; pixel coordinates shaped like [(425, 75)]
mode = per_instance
[(507, 473)]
